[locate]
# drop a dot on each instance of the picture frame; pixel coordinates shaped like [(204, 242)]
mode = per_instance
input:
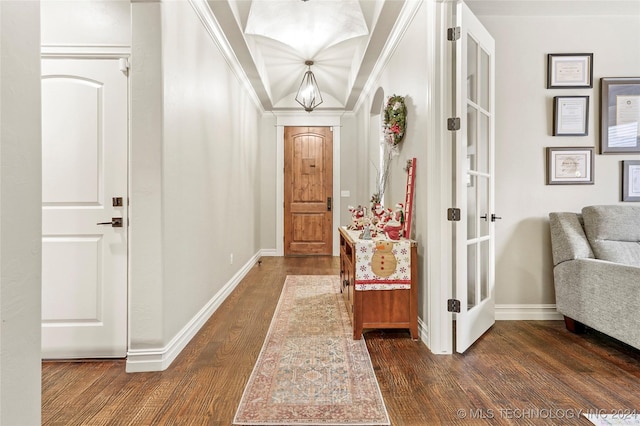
[(631, 180), (569, 70), (619, 115), (570, 165), (570, 115)]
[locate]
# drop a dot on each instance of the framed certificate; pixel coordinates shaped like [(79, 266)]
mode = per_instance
[(620, 115), (631, 180), (570, 115), (570, 166), (569, 70)]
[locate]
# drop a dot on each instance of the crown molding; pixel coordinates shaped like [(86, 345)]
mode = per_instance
[(405, 18), (554, 7), (211, 25)]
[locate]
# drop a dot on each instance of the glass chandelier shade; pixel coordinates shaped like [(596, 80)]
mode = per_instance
[(309, 93)]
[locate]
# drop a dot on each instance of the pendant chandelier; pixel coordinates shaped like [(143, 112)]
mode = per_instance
[(309, 94)]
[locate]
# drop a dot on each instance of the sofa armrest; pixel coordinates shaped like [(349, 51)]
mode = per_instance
[(568, 239), (602, 295)]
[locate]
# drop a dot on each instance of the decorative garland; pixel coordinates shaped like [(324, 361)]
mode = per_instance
[(395, 119)]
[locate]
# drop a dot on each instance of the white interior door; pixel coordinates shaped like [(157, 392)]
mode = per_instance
[(84, 167), (475, 232)]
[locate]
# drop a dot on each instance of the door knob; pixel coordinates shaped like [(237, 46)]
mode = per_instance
[(116, 222)]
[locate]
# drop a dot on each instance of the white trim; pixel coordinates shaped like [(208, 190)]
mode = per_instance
[(438, 266), (159, 359), (523, 312), (407, 14), (306, 119), (85, 51), (268, 252), (319, 118), (210, 23), (554, 8), (423, 331)]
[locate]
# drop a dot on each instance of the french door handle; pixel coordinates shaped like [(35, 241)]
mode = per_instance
[(116, 222), (484, 216), (494, 217)]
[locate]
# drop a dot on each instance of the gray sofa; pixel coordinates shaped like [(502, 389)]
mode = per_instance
[(596, 258)]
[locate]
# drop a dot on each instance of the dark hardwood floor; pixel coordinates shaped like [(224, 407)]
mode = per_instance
[(520, 372)]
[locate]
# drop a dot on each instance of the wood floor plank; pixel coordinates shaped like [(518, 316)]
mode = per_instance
[(520, 372)]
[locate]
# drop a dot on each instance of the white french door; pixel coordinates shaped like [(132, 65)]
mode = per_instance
[(84, 196), (474, 188)]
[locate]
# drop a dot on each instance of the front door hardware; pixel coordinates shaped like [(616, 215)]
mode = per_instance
[(328, 204), (116, 222), (453, 214), (494, 217), (453, 305), (116, 201)]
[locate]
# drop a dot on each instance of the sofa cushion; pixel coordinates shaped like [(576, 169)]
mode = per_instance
[(614, 232), (568, 240)]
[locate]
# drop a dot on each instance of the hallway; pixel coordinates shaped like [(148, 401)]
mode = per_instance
[(522, 371)]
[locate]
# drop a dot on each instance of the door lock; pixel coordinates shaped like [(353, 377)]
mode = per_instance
[(328, 204), (116, 222)]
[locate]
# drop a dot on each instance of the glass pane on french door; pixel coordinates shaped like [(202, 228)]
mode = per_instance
[(478, 177)]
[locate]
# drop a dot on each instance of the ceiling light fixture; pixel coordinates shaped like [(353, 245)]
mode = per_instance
[(309, 94)]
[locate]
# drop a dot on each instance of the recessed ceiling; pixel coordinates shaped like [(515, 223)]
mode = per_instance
[(295, 23), (272, 39)]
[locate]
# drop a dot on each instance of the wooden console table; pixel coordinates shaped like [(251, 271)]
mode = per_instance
[(389, 300)]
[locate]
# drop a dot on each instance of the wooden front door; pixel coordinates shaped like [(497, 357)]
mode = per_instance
[(308, 188)]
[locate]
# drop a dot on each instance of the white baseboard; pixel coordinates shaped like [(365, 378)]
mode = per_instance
[(159, 359), (523, 312), (268, 252), (423, 332), (527, 312)]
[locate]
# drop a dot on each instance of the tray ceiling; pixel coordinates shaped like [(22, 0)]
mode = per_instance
[(272, 39)]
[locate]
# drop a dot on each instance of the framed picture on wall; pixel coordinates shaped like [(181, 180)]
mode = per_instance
[(569, 70), (570, 115), (620, 115), (570, 166), (631, 180)]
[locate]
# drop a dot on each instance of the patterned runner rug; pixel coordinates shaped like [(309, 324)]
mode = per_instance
[(310, 370)]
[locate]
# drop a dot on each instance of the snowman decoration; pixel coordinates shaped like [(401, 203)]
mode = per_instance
[(383, 261)]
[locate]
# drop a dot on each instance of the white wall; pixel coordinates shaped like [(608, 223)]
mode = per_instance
[(523, 131), (103, 23), (349, 156), (20, 213), (194, 167), (210, 164)]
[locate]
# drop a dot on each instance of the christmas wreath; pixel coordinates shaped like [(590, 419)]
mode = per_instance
[(395, 120)]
